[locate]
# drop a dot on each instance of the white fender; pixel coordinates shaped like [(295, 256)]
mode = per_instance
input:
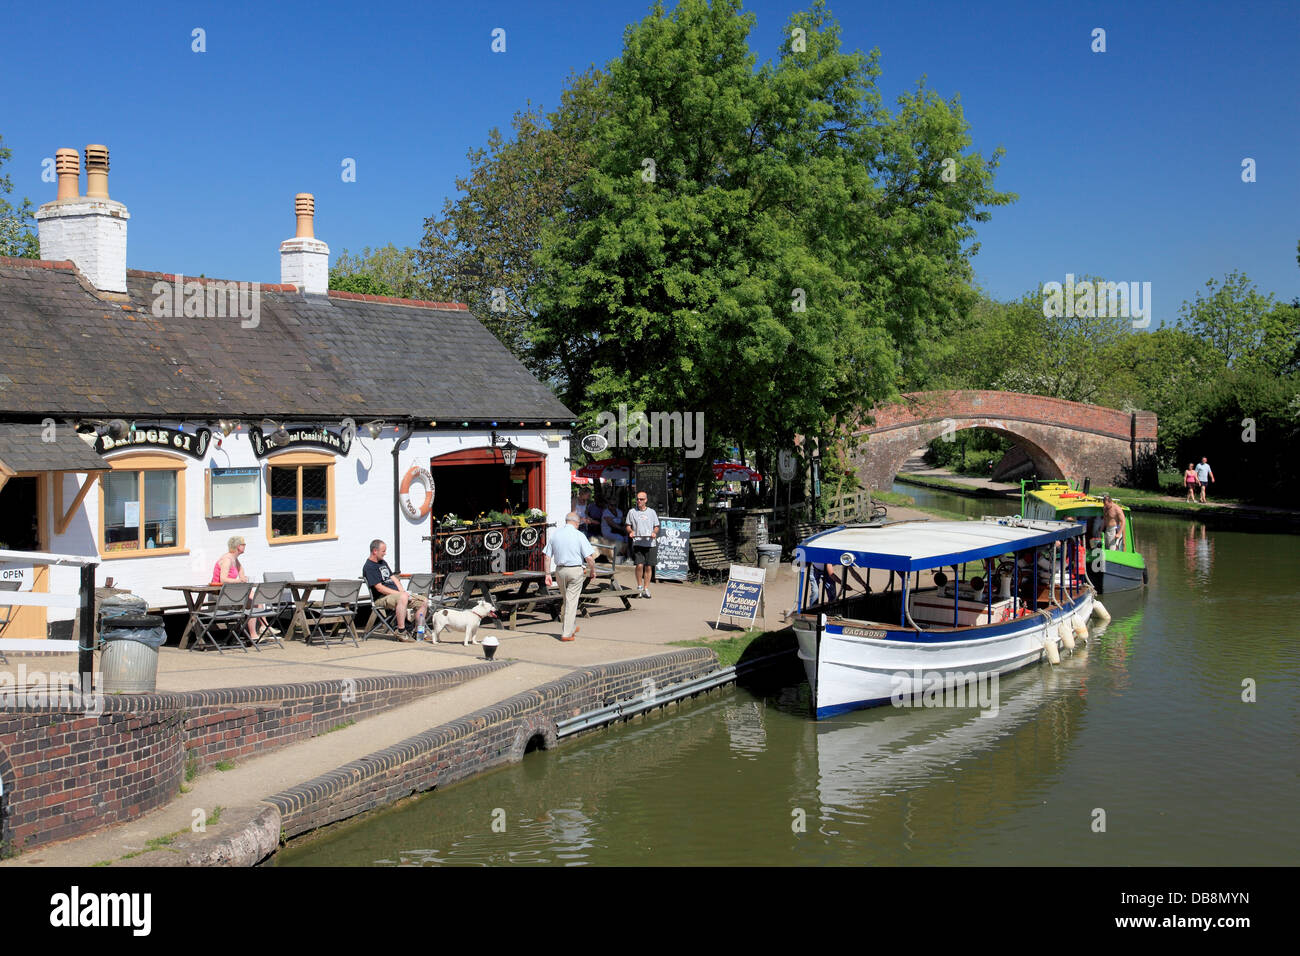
[(1049, 642), (1099, 610), (1080, 629), (1066, 634)]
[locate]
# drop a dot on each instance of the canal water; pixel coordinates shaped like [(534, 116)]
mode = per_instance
[(1137, 750)]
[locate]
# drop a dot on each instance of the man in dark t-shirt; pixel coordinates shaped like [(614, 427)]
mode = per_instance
[(387, 591)]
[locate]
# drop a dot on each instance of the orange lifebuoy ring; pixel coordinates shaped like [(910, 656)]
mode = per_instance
[(404, 493)]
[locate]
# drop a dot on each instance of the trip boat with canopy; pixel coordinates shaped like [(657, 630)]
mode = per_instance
[(937, 603), (1117, 568)]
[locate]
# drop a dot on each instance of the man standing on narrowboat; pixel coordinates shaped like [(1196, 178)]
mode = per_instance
[(1112, 517)]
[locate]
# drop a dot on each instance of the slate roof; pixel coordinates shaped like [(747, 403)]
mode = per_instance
[(23, 447), (65, 351)]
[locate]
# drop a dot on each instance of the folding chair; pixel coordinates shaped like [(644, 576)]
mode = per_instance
[(270, 596), (453, 588), (226, 612), (421, 584), (382, 620), (337, 606), (6, 612)]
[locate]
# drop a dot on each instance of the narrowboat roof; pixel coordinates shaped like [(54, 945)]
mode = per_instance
[(1067, 500), (921, 545)]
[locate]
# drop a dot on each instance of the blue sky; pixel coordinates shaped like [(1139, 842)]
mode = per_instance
[(1127, 162)]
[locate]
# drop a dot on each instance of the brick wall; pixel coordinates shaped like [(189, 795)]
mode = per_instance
[(1063, 439), (488, 738), (65, 775)]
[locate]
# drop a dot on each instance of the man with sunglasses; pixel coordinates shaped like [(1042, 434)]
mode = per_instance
[(643, 532)]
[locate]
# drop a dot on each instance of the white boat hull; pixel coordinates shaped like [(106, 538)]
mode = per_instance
[(851, 671)]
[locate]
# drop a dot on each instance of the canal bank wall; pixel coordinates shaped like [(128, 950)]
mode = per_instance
[(484, 740), (64, 775)]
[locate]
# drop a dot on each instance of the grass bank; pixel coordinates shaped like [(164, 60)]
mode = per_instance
[(945, 484), (735, 650)]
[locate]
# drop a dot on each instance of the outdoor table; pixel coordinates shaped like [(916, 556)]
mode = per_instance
[(485, 584), (301, 591), (196, 596)]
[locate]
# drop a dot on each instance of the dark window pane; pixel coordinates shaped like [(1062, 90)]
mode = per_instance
[(160, 509), (315, 503), (284, 502)]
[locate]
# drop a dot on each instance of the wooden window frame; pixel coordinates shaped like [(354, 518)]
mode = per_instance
[(297, 460), (142, 462)]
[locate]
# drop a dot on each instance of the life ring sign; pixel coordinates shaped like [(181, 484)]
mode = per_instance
[(416, 474)]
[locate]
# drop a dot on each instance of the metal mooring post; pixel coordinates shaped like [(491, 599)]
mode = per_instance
[(86, 639)]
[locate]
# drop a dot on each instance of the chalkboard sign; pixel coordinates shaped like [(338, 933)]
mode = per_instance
[(674, 546), (652, 478)]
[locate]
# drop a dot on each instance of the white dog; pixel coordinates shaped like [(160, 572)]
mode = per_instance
[(467, 621)]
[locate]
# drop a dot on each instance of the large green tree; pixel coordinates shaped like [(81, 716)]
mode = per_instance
[(1242, 329), (17, 235), (769, 246)]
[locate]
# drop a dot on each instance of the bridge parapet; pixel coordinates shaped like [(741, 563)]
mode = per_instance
[(1063, 438)]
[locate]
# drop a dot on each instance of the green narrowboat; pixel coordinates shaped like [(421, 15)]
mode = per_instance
[(1109, 569)]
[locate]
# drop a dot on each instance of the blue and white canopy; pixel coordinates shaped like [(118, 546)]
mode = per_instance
[(921, 545)]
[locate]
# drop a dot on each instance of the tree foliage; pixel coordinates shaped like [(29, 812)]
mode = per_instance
[(767, 245), (1241, 328), (387, 270), (18, 236)]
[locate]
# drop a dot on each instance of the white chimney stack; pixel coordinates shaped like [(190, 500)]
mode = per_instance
[(304, 259), (91, 229)]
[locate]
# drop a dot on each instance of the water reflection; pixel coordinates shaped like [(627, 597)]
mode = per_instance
[(1198, 552), (1146, 721)]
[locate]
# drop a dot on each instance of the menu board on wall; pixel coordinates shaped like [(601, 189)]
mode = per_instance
[(652, 478), (674, 549)]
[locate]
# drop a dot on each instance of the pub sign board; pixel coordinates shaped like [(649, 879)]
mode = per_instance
[(194, 444), (337, 441)]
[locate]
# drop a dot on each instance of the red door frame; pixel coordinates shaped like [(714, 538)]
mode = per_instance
[(492, 456)]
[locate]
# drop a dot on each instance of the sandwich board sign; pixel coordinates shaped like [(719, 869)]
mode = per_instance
[(743, 597), (674, 546)]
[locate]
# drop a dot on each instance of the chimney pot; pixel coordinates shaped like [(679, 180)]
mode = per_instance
[(304, 259), (67, 163), (304, 204), (96, 172)]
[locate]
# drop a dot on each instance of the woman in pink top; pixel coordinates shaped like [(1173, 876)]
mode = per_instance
[(228, 569), (1191, 482)]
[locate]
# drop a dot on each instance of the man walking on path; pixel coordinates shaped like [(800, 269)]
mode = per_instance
[(1203, 473), (568, 549), (643, 532)]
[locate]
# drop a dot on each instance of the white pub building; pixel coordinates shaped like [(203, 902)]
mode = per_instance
[(146, 418)]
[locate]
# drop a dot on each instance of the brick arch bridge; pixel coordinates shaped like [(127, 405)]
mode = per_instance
[(1063, 439)]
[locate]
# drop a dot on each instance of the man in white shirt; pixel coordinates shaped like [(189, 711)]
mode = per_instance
[(569, 550), (643, 532)]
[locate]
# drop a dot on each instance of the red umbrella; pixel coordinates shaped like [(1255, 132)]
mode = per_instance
[(732, 471)]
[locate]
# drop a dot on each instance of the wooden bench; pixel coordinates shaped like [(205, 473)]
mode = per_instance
[(709, 552), (552, 603)]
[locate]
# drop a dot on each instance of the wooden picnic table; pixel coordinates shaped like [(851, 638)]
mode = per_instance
[(196, 596), (520, 599)]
